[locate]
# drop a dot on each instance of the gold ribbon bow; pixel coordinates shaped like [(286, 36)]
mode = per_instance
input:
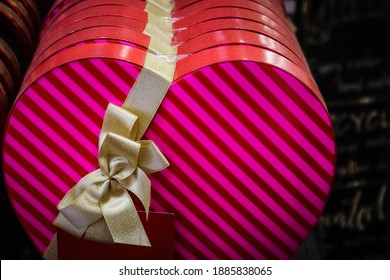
[(100, 205)]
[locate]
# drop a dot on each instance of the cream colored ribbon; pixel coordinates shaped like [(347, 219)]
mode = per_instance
[(124, 165), (99, 205)]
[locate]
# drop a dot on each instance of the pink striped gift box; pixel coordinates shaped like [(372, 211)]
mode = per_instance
[(248, 137)]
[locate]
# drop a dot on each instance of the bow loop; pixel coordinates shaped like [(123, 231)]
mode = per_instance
[(151, 159), (118, 121), (80, 206)]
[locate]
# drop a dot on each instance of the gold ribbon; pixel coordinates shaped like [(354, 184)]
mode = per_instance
[(124, 165), (159, 26), (166, 6), (99, 206)]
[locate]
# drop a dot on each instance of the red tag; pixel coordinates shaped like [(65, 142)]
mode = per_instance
[(160, 231)]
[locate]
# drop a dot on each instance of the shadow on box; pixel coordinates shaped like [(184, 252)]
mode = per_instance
[(14, 243)]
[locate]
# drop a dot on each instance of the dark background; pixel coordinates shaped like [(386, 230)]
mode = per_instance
[(345, 42), (346, 45)]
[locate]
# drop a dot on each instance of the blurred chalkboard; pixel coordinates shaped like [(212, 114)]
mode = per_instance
[(346, 44)]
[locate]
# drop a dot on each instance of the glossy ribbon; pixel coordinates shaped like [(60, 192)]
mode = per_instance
[(99, 205), (124, 165)]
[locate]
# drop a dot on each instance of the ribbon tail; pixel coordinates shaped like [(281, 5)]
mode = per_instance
[(139, 184), (63, 223), (122, 219), (80, 206), (51, 252), (99, 232)]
